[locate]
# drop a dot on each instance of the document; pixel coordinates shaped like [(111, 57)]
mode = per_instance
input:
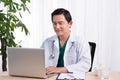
[(71, 76)]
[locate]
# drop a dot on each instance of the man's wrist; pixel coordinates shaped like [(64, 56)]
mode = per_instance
[(63, 69)]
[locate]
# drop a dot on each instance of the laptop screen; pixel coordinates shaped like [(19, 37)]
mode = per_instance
[(28, 62)]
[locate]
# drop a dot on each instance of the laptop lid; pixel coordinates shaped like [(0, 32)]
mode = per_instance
[(28, 62)]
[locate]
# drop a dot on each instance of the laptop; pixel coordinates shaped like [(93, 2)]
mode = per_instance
[(27, 62)]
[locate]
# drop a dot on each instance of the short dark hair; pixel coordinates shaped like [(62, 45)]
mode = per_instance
[(63, 11)]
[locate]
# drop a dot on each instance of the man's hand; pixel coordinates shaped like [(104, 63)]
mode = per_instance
[(52, 69)]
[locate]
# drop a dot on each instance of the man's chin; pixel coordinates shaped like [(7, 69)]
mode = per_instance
[(60, 34)]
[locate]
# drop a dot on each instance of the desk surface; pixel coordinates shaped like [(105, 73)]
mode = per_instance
[(89, 76)]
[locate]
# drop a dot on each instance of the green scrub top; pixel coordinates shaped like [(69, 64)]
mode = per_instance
[(61, 54)]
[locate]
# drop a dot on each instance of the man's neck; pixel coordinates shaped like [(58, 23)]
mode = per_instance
[(64, 38)]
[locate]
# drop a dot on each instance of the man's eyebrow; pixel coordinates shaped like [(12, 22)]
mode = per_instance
[(57, 21)]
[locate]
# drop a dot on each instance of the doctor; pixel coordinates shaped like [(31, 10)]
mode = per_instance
[(65, 52)]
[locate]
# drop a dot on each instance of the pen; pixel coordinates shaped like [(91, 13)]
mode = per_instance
[(72, 79), (70, 72)]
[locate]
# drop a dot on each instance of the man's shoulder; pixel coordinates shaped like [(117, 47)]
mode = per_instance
[(51, 38), (79, 39)]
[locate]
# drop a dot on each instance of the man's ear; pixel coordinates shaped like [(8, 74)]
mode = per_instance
[(70, 23)]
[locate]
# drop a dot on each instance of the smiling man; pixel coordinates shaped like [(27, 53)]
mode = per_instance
[(65, 52)]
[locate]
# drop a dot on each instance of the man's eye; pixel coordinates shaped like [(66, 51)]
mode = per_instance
[(61, 23), (54, 23)]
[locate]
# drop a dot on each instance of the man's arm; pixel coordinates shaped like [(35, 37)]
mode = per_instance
[(52, 69)]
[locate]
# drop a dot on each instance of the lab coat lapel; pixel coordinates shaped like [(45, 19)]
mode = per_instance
[(56, 51), (69, 43), (56, 44), (68, 50)]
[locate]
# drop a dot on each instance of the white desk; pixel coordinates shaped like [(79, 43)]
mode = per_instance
[(89, 76)]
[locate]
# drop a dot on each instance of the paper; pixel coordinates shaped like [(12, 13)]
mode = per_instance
[(72, 76)]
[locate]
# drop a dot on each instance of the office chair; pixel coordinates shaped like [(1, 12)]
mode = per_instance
[(92, 51)]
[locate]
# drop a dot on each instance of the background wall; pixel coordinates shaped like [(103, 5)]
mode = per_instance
[(96, 20)]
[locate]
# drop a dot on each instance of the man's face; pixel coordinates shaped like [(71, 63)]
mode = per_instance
[(60, 25)]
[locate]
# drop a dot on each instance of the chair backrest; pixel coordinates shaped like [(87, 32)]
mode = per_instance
[(92, 50)]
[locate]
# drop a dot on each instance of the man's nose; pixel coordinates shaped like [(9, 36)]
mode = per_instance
[(57, 26)]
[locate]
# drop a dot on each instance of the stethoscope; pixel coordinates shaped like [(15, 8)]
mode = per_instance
[(52, 55)]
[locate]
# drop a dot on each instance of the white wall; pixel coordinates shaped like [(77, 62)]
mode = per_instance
[(102, 20)]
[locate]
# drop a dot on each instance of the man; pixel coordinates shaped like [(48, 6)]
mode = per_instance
[(65, 52)]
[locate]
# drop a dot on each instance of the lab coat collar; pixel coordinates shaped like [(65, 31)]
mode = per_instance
[(72, 39), (70, 42), (54, 39)]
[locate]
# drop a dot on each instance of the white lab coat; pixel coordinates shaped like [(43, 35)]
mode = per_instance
[(76, 56)]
